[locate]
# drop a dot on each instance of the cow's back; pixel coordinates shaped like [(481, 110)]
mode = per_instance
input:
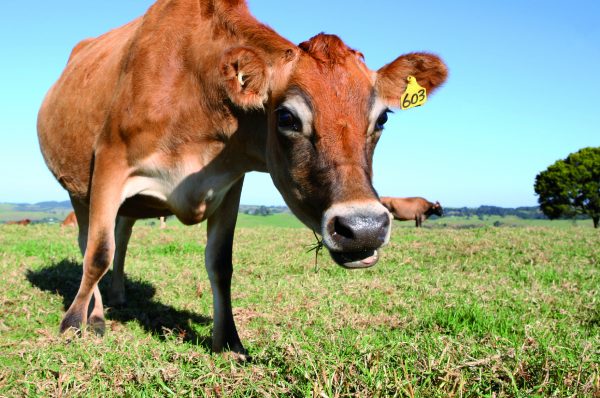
[(151, 87), (76, 107)]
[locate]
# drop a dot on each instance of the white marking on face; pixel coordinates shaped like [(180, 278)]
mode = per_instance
[(297, 104), (376, 110)]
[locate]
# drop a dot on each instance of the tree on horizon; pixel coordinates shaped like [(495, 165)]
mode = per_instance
[(571, 187)]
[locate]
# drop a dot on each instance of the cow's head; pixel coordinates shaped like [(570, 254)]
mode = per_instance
[(437, 209), (326, 111)]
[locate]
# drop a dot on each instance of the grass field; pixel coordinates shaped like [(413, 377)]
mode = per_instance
[(288, 220), (508, 221), (448, 312)]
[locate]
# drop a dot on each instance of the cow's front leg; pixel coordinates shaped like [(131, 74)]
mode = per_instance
[(105, 199), (221, 227)]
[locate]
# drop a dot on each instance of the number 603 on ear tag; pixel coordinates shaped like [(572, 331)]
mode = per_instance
[(414, 96)]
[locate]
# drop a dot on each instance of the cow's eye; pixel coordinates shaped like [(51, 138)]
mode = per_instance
[(383, 118), (287, 121)]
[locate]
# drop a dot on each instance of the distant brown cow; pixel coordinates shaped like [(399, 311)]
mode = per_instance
[(406, 209), (70, 220), (26, 221)]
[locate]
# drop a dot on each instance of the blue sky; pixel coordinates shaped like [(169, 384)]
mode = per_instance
[(523, 88)]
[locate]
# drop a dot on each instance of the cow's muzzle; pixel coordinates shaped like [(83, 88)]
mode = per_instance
[(353, 232)]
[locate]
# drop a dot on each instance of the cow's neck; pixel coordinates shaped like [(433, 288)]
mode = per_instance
[(252, 138)]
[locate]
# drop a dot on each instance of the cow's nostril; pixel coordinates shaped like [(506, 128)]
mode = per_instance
[(341, 228)]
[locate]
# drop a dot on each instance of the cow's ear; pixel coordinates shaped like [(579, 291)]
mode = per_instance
[(244, 73), (428, 69)]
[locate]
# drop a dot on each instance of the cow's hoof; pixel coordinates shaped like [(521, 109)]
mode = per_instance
[(116, 298), (233, 350), (97, 325), (238, 357), (71, 324)]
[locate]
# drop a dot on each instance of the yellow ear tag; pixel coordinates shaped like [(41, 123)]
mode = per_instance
[(414, 95)]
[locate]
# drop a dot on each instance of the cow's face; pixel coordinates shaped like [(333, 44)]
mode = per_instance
[(324, 123), (437, 209)]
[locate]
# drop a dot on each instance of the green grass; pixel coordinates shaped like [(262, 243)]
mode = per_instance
[(282, 220), (504, 312), (279, 220)]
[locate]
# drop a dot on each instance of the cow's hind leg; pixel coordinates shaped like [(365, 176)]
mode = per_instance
[(221, 226), (122, 234), (82, 215), (105, 200)]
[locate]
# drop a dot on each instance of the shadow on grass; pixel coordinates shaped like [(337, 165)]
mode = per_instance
[(156, 318)]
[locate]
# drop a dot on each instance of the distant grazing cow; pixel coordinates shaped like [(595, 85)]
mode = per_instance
[(26, 221), (70, 220), (406, 209), (166, 114)]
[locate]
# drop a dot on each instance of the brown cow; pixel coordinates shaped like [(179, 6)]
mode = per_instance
[(70, 220), (166, 114), (23, 222), (406, 209)]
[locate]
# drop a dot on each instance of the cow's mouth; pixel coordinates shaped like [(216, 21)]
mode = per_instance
[(353, 260)]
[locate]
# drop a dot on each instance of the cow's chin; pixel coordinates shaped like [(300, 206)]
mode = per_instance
[(356, 260)]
